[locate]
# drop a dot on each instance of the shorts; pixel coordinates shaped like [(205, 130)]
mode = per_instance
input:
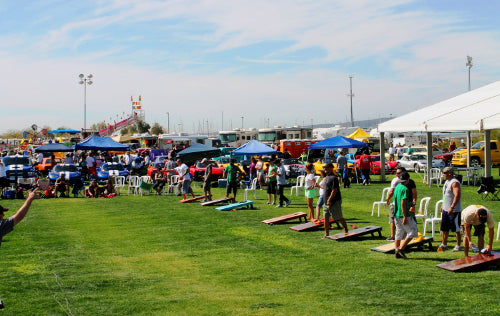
[(310, 194), (271, 187), (450, 222), (479, 230), (321, 201), (231, 186), (186, 186), (333, 210), (391, 213), (410, 230), (206, 186)]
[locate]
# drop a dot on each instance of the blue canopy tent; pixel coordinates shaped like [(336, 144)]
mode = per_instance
[(53, 148), (101, 143), (253, 147), (338, 142), (197, 152)]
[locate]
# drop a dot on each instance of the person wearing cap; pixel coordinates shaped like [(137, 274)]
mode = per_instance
[(450, 210), (231, 173), (207, 180), (394, 182), (365, 164), (477, 216), (281, 179), (7, 225), (272, 182), (405, 222), (333, 200)]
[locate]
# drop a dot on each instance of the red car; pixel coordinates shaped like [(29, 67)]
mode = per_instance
[(390, 166), (198, 171), (446, 158)]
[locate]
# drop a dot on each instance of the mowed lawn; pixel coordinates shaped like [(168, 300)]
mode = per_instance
[(152, 255)]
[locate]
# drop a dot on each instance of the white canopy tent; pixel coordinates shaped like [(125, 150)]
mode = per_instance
[(476, 110)]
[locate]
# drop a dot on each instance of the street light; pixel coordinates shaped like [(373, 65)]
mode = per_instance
[(85, 80), (469, 64)]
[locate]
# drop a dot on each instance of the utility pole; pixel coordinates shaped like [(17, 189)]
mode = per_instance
[(351, 95)]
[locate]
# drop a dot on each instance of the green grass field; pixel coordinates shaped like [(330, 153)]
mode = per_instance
[(151, 255)]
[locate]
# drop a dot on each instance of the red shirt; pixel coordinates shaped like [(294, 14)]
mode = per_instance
[(365, 161)]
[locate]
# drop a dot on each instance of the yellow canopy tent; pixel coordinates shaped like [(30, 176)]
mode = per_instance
[(359, 133)]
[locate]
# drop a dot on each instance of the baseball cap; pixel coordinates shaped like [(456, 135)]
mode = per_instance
[(483, 215), (448, 169)]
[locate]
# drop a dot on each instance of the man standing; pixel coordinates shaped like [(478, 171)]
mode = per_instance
[(477, 216), (406, 225), (450, 210), (231, 173), (333, 200), (184, 175), (342, 170), (207, 180), (392, 151), (271, 182), (91, 164), (281, 179), (365, 164)]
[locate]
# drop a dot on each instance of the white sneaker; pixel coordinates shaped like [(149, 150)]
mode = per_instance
[(474, 248), (458, 248)]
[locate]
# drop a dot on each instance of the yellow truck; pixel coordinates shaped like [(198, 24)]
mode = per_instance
[(477, 154)]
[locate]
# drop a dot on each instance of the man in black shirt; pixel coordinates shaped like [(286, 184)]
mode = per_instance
[(333, 200)]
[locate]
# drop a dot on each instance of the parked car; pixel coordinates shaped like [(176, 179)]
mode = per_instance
[(198, 171), (18, 167), (294, 167), (70, 171), (417, 162), (111, 169), (46, 164), (447, 157), (390, 166)]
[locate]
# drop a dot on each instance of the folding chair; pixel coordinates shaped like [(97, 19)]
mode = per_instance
[(252, 187), (487, 189), (133, 185), (436, 176), (383, 201), (299, 185), (433, 220), (423, 208), (119, 183), (173, 186)]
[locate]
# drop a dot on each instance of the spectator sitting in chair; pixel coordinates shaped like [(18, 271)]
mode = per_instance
[(109, 189), (94, 190), (62, 186), (159, 181)]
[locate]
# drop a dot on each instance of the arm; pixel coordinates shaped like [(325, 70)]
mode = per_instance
[(389, 196), (491, 233), (21, 213), (414, 194), (403, 208), (332, 195)]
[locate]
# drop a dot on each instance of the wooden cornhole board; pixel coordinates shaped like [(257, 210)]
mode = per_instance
[(235, 206), (476, 262), (311, 225), (285, 218), (192, 199), (214, 202), (415, 242), (357, 233)]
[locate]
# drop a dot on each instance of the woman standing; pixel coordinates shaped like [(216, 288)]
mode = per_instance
[(259, 166), (310, 189)]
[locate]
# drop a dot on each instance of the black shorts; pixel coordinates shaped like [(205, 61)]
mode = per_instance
[(479, 230), (231, 186), (450, 222), (207, 185), (271, 187)]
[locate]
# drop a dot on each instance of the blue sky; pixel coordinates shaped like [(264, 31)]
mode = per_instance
[(286, 61)]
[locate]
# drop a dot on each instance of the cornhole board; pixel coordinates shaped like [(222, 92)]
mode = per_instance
[(192, 199), (214, 202), (357, 233), (285, 218), (311, 225), (415, 242), (235, 206), (476, 262)]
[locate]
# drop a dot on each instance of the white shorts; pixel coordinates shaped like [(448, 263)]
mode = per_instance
[(410, 230)]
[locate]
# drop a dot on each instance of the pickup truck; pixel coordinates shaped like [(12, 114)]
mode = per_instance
[(477, 154)]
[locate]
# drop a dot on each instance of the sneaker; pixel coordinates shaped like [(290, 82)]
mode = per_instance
[(273, 203), (390, 238), (288, 203), (278, 206), (442, 247), (474, 248), (458, 248), (402, 254), (268, 203), (364, 182)]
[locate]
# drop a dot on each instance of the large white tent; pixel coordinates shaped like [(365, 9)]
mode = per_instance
[(476, 110)]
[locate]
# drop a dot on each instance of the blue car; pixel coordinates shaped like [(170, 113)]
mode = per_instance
[(70, 172), (18, 167), (111, 169)]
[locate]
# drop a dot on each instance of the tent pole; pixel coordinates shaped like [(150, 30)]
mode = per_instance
[(429, 157), (382, 157)]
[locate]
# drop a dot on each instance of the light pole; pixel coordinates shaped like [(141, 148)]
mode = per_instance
[(85, 80), (168, 122), (242, 122), (351, 95), (469, 64)]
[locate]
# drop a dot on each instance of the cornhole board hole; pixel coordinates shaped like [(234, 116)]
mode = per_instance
[(235, 206), (355, 233), (192, 199), (214, 202), (285, 218), (472, 263), (311, 225), (418, 242)]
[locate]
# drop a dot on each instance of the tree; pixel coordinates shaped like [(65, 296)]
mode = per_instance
[(132, 129), (124, 131), (157, 129), (142, 127)]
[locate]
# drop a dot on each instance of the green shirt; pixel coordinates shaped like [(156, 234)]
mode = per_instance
[(272, 169), (232, 173), (401, 192)]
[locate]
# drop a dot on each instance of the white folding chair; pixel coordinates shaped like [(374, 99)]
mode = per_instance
[(145, 185), (383, 201), (252, 187), (133, 184), (423, 208), (119, 183), (435, 219), (173, 186), (299, 185), (316, 179), (436, 176)]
